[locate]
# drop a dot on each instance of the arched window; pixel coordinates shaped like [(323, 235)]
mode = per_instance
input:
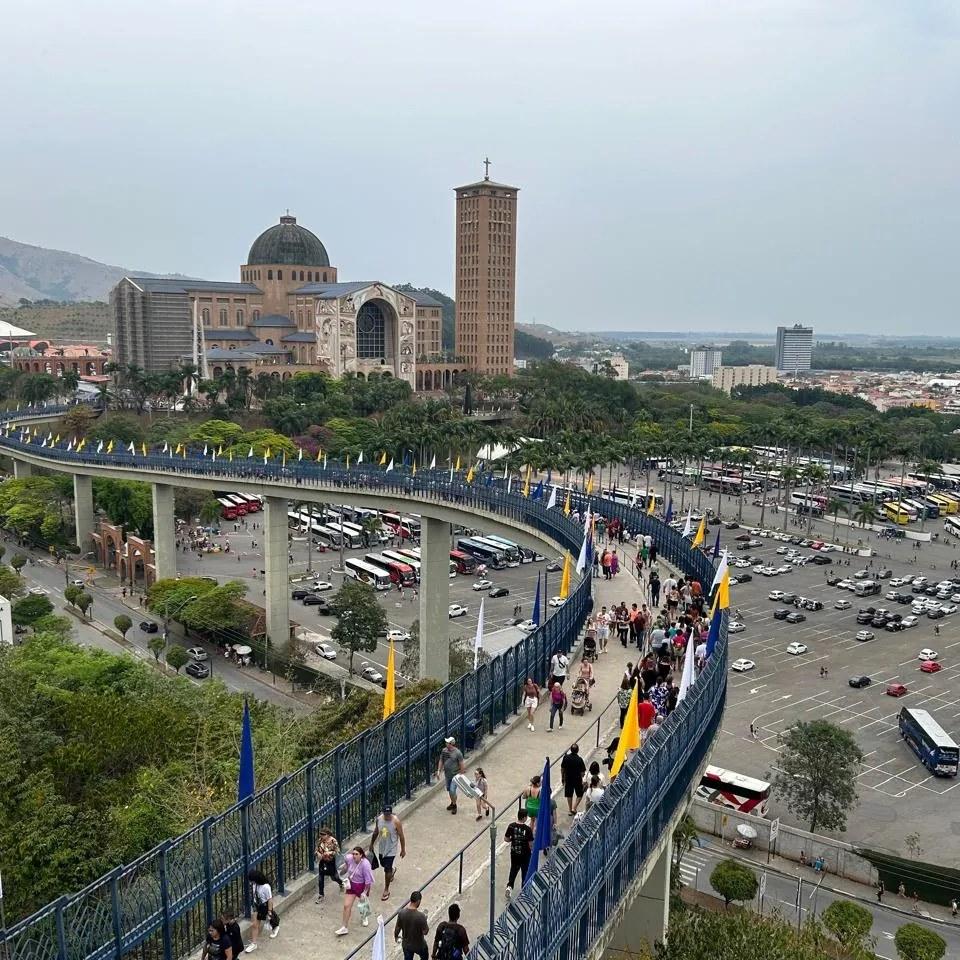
[(268, 342), (256, 316), (206, 317), (223, 316), (279, 274), (324, 276), (269, 274), (371, 332), (299, 318), (239, 318), (301, 276), (309, 276)]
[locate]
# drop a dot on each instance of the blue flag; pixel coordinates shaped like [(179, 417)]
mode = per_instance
[(714, 636), (245, 787), (716, 546), (538, 491), (536, 604), (489, 478), (544, 832), (669, 514)]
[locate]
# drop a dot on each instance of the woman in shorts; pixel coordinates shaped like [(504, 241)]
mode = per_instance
[(531, 699)]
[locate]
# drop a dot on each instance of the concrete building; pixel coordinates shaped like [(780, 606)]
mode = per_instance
[(486, 275), (754, 375), (704, 361), (794, 348), (43, 356)]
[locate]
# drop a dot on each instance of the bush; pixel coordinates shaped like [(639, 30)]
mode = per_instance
[(848, 922), (733, 881), (178, 657), (30, 609), (123, 623), (914, 942)]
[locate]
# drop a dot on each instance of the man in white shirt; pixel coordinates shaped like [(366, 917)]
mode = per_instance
[(558, 668)]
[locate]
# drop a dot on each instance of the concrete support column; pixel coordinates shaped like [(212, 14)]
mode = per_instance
[(83, 510), (434, 599), (164, 528), (645, 920), (276, 552), (22, 469)]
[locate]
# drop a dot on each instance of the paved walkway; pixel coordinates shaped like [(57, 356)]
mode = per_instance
[(433, 835)]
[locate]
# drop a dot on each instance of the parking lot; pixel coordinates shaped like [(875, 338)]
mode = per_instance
[(898, 796)]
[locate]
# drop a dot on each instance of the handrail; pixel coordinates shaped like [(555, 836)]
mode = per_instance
[(166, 895)]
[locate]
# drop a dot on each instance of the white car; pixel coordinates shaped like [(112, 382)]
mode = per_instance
[(742, 665), (483, 585), (742, 564), (369, 672), (557, 601), (526, 626), (772, 571), (919, 581), (927, 654), (783, 550), (796, 648), (827, 548), (786, 568), (948, 608), (842, 605), (845, 585), (863, 635), (198, 654), (910, 621), (326, 651), (455, 610), (322, 586), (892, 595), (899, 581), (775, 595), (397, 636), (759, 568), (955, 598), (735, 626)]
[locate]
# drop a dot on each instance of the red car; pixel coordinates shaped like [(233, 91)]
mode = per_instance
[(930, 666), (896, 690)]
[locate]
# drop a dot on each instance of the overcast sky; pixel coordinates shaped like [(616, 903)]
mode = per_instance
[(714, 165)]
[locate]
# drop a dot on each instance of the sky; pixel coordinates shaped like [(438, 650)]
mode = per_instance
[(683, 164)]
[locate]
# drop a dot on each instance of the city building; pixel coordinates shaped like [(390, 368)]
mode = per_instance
[(486, 238), (794, 348), (704, 361), (288, 312), (754, 375), (43, 356)]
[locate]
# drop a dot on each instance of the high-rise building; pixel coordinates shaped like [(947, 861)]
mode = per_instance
[(754, 375), (704, 360), (486, 274), (794, 348)]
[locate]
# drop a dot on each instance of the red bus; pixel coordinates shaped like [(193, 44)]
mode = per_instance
[(228, 509), (243, 507), (401, 573), (254, 504), (463, 561), (729, 789)]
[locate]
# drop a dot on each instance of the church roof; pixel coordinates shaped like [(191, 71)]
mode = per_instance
[(287, 242), (167, 285), (333, 291), (301, 336), (272, 320), (237, 333), (487, 183)]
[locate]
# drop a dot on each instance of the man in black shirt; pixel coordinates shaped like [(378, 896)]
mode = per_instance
[(412, 926), (520, 837), (451, 941), (572, 772)]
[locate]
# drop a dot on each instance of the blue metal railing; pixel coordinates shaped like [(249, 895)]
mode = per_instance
[(160, 903)]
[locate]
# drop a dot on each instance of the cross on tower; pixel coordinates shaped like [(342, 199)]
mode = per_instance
[(486, 168)]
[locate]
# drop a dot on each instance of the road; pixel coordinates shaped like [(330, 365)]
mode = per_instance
[(815, 894)]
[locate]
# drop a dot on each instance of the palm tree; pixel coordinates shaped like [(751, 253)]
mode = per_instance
[(836, 507), (815, 475), (789, 475), (866, 512), (928, 468)]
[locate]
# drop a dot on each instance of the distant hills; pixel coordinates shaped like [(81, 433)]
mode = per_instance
[(36, 273)]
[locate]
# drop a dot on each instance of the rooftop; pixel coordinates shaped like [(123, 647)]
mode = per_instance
[(161, 285), (287, 242)]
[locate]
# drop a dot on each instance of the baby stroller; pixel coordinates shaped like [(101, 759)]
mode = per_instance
[(590, 646), (580, 698)]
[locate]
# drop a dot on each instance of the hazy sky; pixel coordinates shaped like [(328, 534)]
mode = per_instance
[(724, 164)]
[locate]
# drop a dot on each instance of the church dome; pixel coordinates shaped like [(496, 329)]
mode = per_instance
[(288, 243)]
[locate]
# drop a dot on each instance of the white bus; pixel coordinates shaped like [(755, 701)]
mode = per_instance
[(412, 556), (301, 519), (729, 789), (368, 574), (350, 536), (404, 556), (510, 549), (952, 526)]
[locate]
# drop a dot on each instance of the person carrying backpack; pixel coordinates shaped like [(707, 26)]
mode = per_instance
[(451, 941)]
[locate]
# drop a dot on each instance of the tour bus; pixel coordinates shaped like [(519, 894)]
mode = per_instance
[(631, 496), (405, 557), (414, 558), (403, 526), (254, 503), (323, 533), (728, 789), (939, 481), (809, 504), (483, 553), (928, 511), (510, 549), (351, 537), (936, 504), (898, 513), (929, 741), (952, 525), (359, 514), (243, 508), (464, 562), (848, 493), (367, 573), (228, 509), (953, 498), (947, 504), (399, 571)]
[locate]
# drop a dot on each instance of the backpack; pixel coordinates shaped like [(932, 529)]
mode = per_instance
[(447, 948)]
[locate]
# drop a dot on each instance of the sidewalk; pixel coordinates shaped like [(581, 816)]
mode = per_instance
[(509, 759)]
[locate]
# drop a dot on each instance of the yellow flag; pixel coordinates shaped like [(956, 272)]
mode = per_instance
[(348, 461), (457, 467), (143, 448), (319, 455), (267, 454), (589, 484), (526, 482), (230, 455), (56, 439), (701, 533), (413, 472), (179, 448), (629, 735), (722, 599), (390, 691), (653, 503), (383, 459), (565, 577), (470, 474), (566, 505), (220, 450), (110, 447)]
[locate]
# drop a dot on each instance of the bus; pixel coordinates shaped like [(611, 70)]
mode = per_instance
[(350, 537), (728, 789), (632, 496), (407, 557), (482, 553), (952, 526), (510, 549), (398, 571), (402, 526), (898, 513), (228, 509), (324, 534), (414, 558), (929, 741), (807, 504), (359, 514), (927, 511), (254, 503), (945, 503), (367, 573), (243, 507), (464, 562)]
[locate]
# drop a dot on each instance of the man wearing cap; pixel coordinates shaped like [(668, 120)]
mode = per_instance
[(450, 764), (389, 839)]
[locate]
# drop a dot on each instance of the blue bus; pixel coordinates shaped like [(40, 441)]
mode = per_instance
[(483, 553), (929, 741)]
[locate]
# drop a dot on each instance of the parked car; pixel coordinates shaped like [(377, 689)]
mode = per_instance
[(795, 616), (455, 610), (781, 613), (742, 665), (311, 600), (910, 621), (896, 690), (369, 672), (843, 604), (735, 626), (198, 654), (197, 670), (775, 595), (821, 560), (927, 654), (148, 626), (483, 585), (326, 651), (322, 586), (859, 681), (796, 648), (930, 666), (864, 635), (499, 592)]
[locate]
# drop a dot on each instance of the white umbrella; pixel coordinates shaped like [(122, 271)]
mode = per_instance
[(745, 830)]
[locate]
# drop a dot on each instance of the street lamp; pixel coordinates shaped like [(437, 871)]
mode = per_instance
[(167, 614)]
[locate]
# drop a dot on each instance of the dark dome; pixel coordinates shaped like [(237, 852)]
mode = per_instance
[(288, 243)]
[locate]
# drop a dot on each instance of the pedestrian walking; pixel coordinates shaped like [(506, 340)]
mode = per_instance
[(327, 852), (449, 765), (218, 945), (558, 704), (451, 941), (530, 800), (954, 906), (531, 699), (520, 837), (412, 928), (389, 840), (480, 784), (624, 695), (232, 927), (261, 896), (879, 891), (572, 773), (558, 669), (359, 880)]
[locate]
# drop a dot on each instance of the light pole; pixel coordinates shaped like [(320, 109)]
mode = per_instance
[(167, 614)]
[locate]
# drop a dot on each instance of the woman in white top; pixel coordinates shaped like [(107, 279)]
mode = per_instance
[(594, 792), (262, 897)]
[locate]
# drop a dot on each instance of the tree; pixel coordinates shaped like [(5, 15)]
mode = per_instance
[(84, 601), (733, 881), (71, 593), (156, 645), (685, 835), (10, 583), (849, 922), (18, 561), (360, 619), (817, 772), (912, 842), (210, 512), (123, 623), (914, 942), (30, 608), (178, 657)]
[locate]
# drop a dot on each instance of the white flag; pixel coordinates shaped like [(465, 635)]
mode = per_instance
[(300, 455), (582, 558), (505, 468), (380, 941), (721, 570), (250, 452), (687, 677), (509, 482), (389, 465), (433, 462), (360, 458), (451, 474), (131, 448), (686, 527), (204, 449), (478, 642), (100, 447), (552, 502), (166, 447)]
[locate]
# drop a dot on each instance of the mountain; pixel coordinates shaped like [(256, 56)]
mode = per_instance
[(36, 273)]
